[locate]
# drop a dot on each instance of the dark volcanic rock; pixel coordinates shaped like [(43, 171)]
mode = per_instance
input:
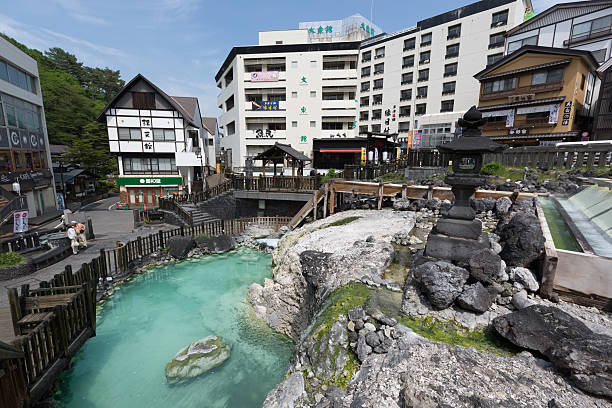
[(502, 206), (521, 239), (441, 281), (571, 346), (179, 246), (216, 245), (482, 204), (475, 298), (486, 266)]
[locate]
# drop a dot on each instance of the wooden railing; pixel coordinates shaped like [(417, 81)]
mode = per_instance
[(554, 157), (173, 204), (48, 347), (370, 171), (524, 123), (552, 86), (13, 389)]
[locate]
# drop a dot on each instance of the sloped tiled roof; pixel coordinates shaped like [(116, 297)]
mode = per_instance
[(188, 103), (210, 124), (284, 148)]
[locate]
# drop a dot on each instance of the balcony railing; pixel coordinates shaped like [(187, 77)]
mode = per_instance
[(547, 87), (452, 55), (588, 36), (408, 65), (521, 123), (497, 44)]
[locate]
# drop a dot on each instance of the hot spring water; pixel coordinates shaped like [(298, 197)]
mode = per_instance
[(148, 320)]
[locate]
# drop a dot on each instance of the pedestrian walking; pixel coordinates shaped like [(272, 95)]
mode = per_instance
[(72, 236), (80, 230)]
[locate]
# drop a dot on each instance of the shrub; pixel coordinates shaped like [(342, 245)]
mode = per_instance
[(331, 173), (393, 177), (492, 169), (11, 259)]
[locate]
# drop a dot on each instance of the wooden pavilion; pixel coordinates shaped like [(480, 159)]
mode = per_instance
[(278, 154)]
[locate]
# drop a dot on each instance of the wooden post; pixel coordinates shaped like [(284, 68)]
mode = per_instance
[(404, 190), (90, 229), (430, 191), (381, 187), (314, 204), (332, 198), (16, 313), (325, 200), (161, 239)]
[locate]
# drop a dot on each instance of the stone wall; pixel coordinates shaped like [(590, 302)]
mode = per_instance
[(12, 272), (227, 207)]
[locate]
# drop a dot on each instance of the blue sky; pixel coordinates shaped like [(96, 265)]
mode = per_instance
[(180, 44)]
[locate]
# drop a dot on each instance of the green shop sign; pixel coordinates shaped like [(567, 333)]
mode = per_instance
[(150, 181)]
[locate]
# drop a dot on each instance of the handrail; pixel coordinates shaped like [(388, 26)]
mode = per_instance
[(16, 204)]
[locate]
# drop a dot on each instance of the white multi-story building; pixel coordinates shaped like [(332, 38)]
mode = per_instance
[(582, 25), (294, 87), (421, 78), (160, 142), (24, 146)]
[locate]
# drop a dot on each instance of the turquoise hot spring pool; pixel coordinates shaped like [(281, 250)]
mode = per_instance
[(149, 319)]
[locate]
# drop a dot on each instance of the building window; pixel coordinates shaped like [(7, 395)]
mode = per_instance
[(276, 67), (379, 53), (365, 101), (515, 45), (421, 109), (365, 71), (454, 32), (313, 123), (366, 56), (313, 64), (377, 99), (582, 81), (409, 44), (423, 75), (11, 115), (424, 59), (448, 88), (130, 133), (378, 83), (379, 68), (143, 100), (294, 123), (248, 67), (499, 85), (586, 30), (331, 126), (17, 77), (363, 129), (492, 59), (364, 115), (452, 51), (421, 92), (547, 77), (404, 111), (407, 78), (333, 65), (447, 106), (160, 135), (332, 96), (231, 128), (426, 39), (499, 19), (229, 103), (376, 128), (405, 95), (496, 40), (313, 94), (403, 126), (365, 86), (376, 114), (277, 97), (294, 64), (294, 94), (408, 61), (149, 165), (450, 69)]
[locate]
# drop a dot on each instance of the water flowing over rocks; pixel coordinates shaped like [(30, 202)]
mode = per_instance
[(334, 258)]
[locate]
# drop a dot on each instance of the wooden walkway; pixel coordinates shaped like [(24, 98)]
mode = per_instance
[(7, 333)]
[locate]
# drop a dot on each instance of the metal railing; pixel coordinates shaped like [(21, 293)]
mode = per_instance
[(16, 204)]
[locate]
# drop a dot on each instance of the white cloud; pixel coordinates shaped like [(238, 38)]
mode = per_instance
[(180, 6), (96, 47), (78, 11), (21, 32)]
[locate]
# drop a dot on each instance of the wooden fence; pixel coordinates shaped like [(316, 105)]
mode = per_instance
[(69, 298), (554, 157), (370, 172)]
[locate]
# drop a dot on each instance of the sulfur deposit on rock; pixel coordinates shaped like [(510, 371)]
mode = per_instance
[(196, 359), (314, 260)]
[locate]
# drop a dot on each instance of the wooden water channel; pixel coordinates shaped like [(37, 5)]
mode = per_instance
[(51, 323)]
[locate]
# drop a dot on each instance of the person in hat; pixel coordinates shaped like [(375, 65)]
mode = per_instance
[(72, 236)]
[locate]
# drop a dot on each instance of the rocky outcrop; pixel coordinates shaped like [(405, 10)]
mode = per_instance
[(285, 394), (216, 245), (521, 240), (179, 246), (576, 351), (487, 267), (475, 298), (525, 277), (318, 258), (196, 359), (441, 282)]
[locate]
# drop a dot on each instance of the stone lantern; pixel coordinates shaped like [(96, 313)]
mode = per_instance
[(458, 234)]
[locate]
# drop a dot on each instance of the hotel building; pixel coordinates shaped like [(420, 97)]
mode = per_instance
[(24, 146), (161, 144)]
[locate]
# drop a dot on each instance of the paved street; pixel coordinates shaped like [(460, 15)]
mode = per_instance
[(109, 227)]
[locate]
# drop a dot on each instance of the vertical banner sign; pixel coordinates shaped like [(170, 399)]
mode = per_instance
[(409, 144), (364, 156), (418, 139), (20, 221), (398, 152)]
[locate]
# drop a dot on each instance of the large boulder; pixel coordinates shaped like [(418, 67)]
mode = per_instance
[(197, 358), (572, 347), (179, 246), (441, 282), (502, 206), (287, 393), (521, 239), (525, 277), (487, 267), (482, 205), (475, 298), (216, 245), (401, 204)]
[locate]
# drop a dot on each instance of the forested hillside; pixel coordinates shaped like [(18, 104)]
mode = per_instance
[(73, 95)]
